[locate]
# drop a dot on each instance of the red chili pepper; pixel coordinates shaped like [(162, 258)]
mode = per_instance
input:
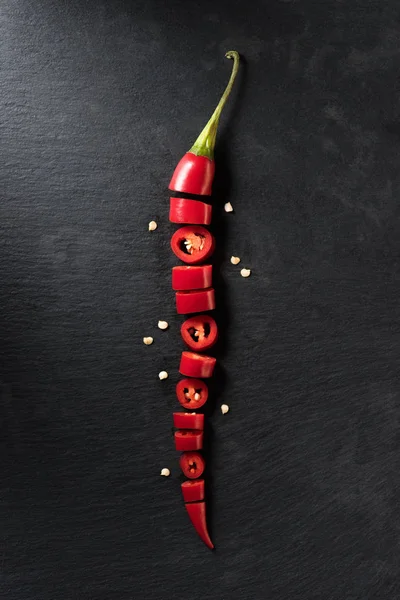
[(194, 173), (188, 421), (192, 244), (194, 302), (192, 393), (199, 333), (196, 365), (193, 491), (192, 464), (191, 278), (186, 439), (197, 514), (183, 210)]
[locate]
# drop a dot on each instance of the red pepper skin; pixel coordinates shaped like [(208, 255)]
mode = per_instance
[(186, 439), (193, 491), (188, 421), (194, 302), (197, 514), (192, 464), (199, 324), (191, 278), (184, 210), (196, 365), (193, 387), (193, 174), (191, 232)]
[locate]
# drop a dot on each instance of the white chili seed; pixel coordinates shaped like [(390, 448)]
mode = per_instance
[(224, 409), (235, 260), (152, 225), (165, 472), (163, 375), (148, 340), (197, 396), (162, 325), (245, 272), (228, 207), (196, 333)]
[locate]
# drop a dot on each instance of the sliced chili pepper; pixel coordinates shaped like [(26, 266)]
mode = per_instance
[(199, 333), (194, 173), (186, 439), (184, 210), (196, 365), (195, 301), (197, 514), (191, 278), (188, 421), (192, 464), (192, 244), (192, 393), (193, 491)]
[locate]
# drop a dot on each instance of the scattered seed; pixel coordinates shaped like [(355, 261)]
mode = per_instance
[(224, 409), (152, 225), (162, 325), (228, 207), (165, 472), (148, 340), (245, 272), (235, 260), (163, 375)]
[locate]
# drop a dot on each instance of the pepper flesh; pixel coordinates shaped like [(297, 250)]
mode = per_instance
[(184, 210), (193, 491), (186, 439), (187, 278), (192, 393), (197, 514), (192, 464), (200, 332), (196, 365), (188, 421), (192, 244), (194, 173), (195, 301)]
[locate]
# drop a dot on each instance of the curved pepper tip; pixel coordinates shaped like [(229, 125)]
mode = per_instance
[(197, 514)]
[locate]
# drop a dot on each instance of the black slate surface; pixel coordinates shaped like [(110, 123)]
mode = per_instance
[(99, 100)]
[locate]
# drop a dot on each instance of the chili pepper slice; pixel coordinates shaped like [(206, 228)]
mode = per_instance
[(194, 173), (192, 393), (192, 464), (191, 278), (197, 514), (196, 365), (195, 301), (193, 490), (188, 421), (186, 439), (192, 244), (200, 332), (184, 210)]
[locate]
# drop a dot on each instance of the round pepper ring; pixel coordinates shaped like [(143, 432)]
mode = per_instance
[(192, 244), (192, 393), (192, 464), (200, 332)]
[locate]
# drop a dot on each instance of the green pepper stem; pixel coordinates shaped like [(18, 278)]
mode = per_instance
[(205, 143)]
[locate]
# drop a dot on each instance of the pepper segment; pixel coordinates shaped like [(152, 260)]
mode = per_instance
[(184, 210), (186, 439), (188, 421), (194, 173), (194, 302), (191, 278), (192, 393), (197, 514), (193, 491), (200, 332), (196, 365), (192, 464), (192, 244)]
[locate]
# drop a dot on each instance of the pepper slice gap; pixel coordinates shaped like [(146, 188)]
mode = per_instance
[(192, 244), (200, 332), (192, 464), (192, 393)]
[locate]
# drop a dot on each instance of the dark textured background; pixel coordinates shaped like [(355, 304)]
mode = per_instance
[(99, 100)]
